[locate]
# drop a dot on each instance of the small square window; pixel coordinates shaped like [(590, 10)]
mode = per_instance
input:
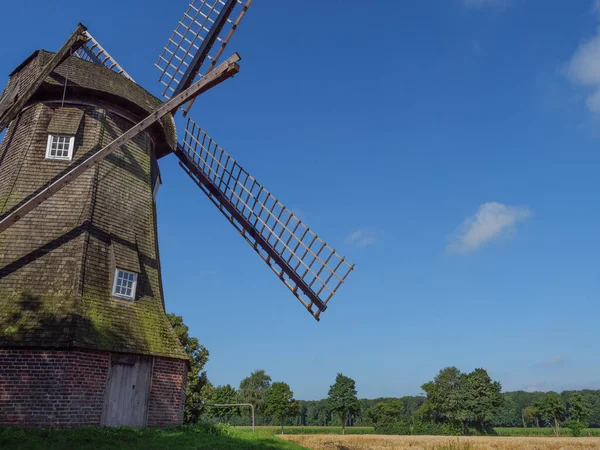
[(124, 285), (60, 147)]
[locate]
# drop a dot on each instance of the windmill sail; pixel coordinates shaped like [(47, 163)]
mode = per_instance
[(94, 52), (311, 269), (198, 42)]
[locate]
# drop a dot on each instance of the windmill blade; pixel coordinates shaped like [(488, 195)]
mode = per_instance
[(191, 50), (311, 269), (94, 52)]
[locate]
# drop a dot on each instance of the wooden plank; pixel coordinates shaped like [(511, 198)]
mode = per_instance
[(76, 40), (141, 392), (225, 71), (128, 392)]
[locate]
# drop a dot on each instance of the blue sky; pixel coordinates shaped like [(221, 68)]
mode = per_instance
[(448, 148)]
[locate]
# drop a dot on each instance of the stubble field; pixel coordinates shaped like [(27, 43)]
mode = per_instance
[(376, 442)]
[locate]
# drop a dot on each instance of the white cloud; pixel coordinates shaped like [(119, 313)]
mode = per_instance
[(553, 362), (361, 238), (491, 221), (584, 67)]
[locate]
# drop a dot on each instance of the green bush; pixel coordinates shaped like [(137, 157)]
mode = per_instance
[(576, 427), (393, 427), (452, 429), (425, 428), (209, 429)]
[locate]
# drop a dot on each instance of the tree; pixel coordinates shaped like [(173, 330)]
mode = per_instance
[(528, 415), (279, 402), (579, 408), (483, 396), (197, 379), (446, 398), (254, 389), (551, 409), (342, 399), (390, 417), (461, 401), (579, 411), (387, 411), (223, 395)]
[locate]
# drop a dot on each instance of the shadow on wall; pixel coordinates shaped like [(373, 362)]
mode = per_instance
[(51, 319), (54, 323)]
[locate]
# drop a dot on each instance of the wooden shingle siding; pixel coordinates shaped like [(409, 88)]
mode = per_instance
[(97, 85), (41, 257), (9, 96), (57, 263), (65, 121)]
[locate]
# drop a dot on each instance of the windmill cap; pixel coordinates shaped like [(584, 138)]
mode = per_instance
[(97, 85)]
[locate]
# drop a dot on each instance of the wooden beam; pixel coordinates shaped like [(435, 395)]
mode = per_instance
[(76, 40), (9, 97), (225, 71), (188, 77)]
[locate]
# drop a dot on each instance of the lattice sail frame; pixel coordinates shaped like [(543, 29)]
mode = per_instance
[(188, 36), (94, 52), (311, 269)]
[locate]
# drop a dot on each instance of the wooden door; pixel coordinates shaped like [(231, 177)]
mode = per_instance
[(127, 391)]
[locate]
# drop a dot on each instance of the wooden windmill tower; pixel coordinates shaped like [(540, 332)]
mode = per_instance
[(84, 339)]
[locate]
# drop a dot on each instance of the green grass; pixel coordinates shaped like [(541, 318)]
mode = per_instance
[(523, 432), (310, 430), (182, 438)]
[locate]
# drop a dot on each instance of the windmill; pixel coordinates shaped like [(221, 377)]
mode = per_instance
[(80, 278)]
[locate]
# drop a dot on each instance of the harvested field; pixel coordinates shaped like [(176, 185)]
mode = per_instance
[(376, 442)]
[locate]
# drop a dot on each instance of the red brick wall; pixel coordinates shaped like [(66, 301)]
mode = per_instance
[(52, 388), (167, 394), (66, 389)]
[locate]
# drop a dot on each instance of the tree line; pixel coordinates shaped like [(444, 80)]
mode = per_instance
[(455, 403)]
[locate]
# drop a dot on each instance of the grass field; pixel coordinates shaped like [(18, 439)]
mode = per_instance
[(311, 438), (543, 432), (310, 430), (184, 438), (518, 432), (375, 442)]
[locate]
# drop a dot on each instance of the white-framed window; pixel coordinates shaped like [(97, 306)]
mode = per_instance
[(60, 147), (124, 285)]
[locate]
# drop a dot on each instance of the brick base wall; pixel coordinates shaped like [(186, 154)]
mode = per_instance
[(52, 388), (167, 394), (45, 388)]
